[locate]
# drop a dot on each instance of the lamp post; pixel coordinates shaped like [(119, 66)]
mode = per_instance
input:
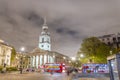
[(73, 58), (81, 55), (22, 49), (73, 61)]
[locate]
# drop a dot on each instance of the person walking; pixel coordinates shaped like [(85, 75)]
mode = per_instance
[(51, 72), (68, 72)]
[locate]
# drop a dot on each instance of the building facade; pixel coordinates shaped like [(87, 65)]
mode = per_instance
[(39, 57), (112, 40), (5, 54)]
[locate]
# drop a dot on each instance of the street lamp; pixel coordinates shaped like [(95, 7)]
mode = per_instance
[(81, 55), (69, 61), (73, 58), (64, 57), (73, 61), (22, 49)]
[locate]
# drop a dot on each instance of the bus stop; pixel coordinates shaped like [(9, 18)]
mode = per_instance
[(114, 66)]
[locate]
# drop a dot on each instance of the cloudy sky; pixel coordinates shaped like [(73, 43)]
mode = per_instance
[(69, 22)]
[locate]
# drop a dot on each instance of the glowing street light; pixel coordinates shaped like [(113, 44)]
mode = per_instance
[(69, 61), (22, 49), (73, 58), (81, 55), (64, 57)]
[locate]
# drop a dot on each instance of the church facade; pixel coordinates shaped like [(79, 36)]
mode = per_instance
[(39, 57), (43, 54)]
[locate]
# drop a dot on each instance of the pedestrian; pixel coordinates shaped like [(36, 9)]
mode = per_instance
[(51, 72), (68, 72), (21, 70)]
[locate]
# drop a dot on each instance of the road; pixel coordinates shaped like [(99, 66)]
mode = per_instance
[(33, 76), (42, 76)]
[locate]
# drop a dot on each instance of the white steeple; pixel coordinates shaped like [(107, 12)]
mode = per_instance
[(44, 39)]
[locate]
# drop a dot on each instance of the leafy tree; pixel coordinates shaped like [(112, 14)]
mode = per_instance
[(13, 54), (94, 50)]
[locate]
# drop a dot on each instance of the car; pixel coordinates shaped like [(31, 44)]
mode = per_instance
[(30, 70)]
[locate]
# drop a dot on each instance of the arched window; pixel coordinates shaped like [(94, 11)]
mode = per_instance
[(42, 46)]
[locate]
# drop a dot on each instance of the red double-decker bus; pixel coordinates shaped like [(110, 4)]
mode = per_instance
[(56, 67)]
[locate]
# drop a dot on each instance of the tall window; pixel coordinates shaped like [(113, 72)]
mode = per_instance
[(108, 43), (48, 40), (108, 39), (118, 39), (42, 39), (114, 39), (102, 39)]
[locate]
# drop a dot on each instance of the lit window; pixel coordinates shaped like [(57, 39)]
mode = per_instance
[(42, 39), (108, 39), (102, 39)]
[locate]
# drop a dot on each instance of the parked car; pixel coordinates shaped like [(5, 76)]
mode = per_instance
[(30, 70)]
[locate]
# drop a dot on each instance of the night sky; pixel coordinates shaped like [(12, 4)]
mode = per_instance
[(69, 22)]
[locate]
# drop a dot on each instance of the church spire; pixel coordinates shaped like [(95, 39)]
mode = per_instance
[(45, 21), (45, 24), (44, 39)]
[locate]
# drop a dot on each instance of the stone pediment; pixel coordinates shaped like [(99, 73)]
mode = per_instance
[(38, 51)]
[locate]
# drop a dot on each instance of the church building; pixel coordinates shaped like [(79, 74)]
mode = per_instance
[(43, 54)]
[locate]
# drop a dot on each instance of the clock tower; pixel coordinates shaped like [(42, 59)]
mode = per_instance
[(44, 39)]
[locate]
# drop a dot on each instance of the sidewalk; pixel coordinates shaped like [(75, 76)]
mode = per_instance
[(94, 79), (97, 76), (15, 72)]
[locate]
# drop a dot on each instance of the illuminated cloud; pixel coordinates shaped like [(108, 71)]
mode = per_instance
[(69, 21)]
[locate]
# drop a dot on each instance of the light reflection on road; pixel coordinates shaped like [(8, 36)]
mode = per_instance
[(56, 76)]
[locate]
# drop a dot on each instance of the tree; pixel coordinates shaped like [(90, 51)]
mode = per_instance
[(94, 50), (13, 54)]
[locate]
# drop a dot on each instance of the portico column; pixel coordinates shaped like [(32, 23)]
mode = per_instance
[(36, 61), (45, 58), (48, 59), (42, 59), (33, 62)]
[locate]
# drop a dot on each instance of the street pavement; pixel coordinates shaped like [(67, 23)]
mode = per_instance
[(93, 79), (43, 76), (32, 76), (93, 76)]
